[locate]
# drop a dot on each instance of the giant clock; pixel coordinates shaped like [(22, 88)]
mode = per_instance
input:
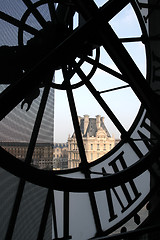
[(96, 198)]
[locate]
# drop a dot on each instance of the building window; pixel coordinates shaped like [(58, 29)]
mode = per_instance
[(91, 156), (97, 146), (91, 146), (104, 146)]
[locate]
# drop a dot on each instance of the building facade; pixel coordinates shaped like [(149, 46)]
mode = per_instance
[(45, 155), (96, 139), (60, 156), (42, 155)]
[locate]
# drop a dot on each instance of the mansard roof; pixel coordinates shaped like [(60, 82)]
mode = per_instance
[(92, 127)]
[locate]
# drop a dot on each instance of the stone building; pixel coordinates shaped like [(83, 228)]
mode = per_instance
[(45, 156), (42, 156), (60, 156), (96, 138)]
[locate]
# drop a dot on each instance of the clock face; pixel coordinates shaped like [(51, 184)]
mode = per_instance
[(65, 53)]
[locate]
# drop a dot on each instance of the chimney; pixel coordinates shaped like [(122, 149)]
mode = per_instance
[(98, 121), (79, 119), (102, 119), (86, 122)]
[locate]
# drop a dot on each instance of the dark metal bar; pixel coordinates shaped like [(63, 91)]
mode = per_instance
[(48, 179), (29, 154), (71, 73), (17, 23), (82, 153), (35, 12), (151, 7), (45, 216), (148, 5), (124, 62), (114, 89), (131, 39), (15, 210), (105, 68), (108, 10), (37, 124), (51, 6), (66, 216), (76, 125), (18, 90), (62, 13), (100, 100), (100, 173), (95, 212), (128, 68), (143, 139)]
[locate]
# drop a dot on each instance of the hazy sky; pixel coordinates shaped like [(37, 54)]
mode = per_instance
[(122, 102)]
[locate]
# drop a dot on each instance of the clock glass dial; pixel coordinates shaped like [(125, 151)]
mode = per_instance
[(81, 77), (61, 61)]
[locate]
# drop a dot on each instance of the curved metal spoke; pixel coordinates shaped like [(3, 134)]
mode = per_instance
[(100, 100), (17, 23), (35, 12)]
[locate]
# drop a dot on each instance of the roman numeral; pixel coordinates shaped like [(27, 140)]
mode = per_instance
[(148, 133), (128, 190), (110, 202)]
